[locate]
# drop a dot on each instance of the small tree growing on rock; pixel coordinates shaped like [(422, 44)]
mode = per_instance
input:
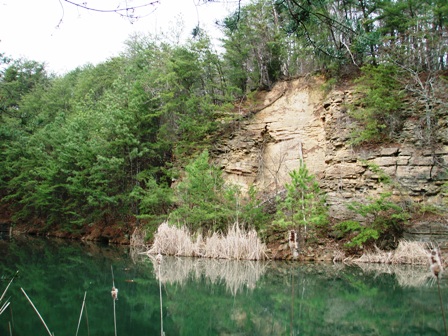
[(381, 217), (304, 206)]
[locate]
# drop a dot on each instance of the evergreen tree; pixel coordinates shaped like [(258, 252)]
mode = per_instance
[(199, 197), (303, 208)]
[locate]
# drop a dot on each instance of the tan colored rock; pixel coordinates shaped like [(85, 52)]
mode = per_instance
[(297, 123), (403, 160), (384, 161), (421, 161), (389, 151), (344, 170), (414, 172)]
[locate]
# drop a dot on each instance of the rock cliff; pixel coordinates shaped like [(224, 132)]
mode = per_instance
[(296, 120)]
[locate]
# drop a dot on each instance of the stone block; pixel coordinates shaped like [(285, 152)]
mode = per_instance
[(421, 161), (413, 172), (389, 151), (384, 161), (344, 170), (403, 160), (390, 171)]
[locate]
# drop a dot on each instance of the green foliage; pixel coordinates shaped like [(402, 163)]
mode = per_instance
[(253, 213), (255, 49), (382, 176), (247, 210), (206, 203), (328, 85), (377, 111), (429, 209), (381, 216), (304, 204), (199, 196), (362, 234), (18, 78), (99, 142), (154, 198)]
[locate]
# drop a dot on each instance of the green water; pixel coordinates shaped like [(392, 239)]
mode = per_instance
[(205, 297)]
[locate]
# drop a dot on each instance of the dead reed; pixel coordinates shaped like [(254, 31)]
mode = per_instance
[(436, 267), (4, 306), (159, 260), (407, 252), (137, 238), (80, 314), (37, 312), (114, 293), (6, 303), (237, 244)]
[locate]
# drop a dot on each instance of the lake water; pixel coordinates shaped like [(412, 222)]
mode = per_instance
[(206, 297)]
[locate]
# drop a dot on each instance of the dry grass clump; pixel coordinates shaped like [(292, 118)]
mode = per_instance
[(170, 240), (414, 253), (238, 244), (137, 238), (339, 256)]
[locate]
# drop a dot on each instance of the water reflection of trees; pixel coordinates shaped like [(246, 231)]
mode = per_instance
[(236, 275)]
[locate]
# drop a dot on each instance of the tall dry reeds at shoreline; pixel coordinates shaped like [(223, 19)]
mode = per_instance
[(236, 276), (407, 252), (237, 244)]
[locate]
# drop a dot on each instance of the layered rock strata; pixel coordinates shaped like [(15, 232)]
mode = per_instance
[(300, 123)]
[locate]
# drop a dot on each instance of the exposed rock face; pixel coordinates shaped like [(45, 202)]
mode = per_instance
[(271, 143), (298, 123)]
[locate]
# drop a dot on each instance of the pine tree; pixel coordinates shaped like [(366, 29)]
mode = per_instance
[(303, 208)]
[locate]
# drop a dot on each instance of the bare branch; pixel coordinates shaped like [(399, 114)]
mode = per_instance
[(117, 10)]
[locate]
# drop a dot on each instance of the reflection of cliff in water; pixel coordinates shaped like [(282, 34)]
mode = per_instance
[(236, 275)]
